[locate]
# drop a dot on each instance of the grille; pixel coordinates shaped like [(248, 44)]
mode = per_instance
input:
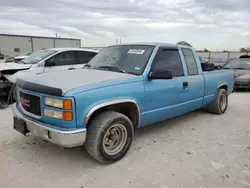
[(30, 103)]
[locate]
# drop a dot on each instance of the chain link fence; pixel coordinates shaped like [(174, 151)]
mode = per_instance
[(206, 55), (211, 55)]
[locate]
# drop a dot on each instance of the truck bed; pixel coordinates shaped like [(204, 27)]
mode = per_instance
[(214, 79)]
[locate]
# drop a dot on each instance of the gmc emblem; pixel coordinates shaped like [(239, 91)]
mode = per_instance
[(25, 102)]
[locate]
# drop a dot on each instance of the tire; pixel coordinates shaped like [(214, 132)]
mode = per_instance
[(219, 105), (103, 126)]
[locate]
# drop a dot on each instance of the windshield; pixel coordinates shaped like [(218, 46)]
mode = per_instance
[(38, 56), (239, 64), (131, 59)]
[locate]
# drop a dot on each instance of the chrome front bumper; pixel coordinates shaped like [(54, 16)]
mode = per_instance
[(67, 139)]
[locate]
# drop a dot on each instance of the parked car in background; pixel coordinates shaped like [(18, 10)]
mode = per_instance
[(21, 57), (220, 62), (9, 59), (1, 56), (241, 68), (43, 61), (244, 56), (122, 88)]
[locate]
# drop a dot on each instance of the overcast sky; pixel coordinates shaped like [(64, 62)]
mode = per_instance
[(212, 24)]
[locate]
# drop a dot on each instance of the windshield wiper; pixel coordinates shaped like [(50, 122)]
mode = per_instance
[(21, 61), (112, 68), (87, 65)]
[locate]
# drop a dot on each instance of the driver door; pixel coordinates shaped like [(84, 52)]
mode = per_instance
[(165, 98), (60, 61)]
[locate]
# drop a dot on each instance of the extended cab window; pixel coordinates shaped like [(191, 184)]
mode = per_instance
[(63, 58), (84, 57), (169, 59), (190, 61)]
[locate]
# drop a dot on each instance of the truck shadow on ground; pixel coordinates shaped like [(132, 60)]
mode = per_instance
[(46, 153)]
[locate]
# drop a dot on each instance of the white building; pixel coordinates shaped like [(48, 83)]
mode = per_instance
[(12, 45)]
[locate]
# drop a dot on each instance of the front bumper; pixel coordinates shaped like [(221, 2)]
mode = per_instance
[(244, 84), (67, 139)]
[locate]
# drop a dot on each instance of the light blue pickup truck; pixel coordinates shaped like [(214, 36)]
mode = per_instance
[(122, 88)]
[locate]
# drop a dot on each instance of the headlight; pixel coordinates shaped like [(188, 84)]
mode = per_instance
[(66, 116), (58, 103), (245, 76), (53, 113)]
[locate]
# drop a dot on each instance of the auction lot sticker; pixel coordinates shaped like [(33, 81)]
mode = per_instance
[(136, 51)]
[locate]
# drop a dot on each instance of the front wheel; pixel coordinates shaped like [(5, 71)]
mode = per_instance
[(219, 105), (109, 136)]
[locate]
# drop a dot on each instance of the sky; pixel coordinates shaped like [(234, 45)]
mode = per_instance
[(212, 24)]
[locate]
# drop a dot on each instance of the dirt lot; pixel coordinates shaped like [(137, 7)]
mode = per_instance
[(194, 150)]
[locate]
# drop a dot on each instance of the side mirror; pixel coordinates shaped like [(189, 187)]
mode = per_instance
[(49, 64), (160, 74)]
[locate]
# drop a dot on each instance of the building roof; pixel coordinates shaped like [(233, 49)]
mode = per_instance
[(31, 36)]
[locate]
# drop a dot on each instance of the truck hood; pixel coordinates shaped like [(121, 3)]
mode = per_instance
[(14, 66), (57, 83)]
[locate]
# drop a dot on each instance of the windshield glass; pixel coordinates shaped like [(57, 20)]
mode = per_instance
[(131, 59), (239, 64), (38, 56)]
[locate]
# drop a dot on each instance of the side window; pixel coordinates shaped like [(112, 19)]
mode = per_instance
[(84, 57), (191, 62), (169, 59), (63, 58)]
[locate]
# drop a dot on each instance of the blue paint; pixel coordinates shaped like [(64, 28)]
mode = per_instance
[(157, 99)]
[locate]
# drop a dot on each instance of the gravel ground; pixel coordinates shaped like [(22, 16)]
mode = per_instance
[(194, 150)]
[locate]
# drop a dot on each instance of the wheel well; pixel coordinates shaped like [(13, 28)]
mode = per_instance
[(129, 109), (223, 87)]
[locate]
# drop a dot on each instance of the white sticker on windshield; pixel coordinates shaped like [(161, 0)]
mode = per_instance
[(136, 51), (248, 63)]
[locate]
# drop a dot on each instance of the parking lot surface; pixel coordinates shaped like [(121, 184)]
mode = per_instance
[(193, 150)]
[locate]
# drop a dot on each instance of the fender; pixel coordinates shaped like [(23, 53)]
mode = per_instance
[(108, 103), (225, 84)]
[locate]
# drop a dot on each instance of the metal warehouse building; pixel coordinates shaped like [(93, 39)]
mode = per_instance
[(17, 44)]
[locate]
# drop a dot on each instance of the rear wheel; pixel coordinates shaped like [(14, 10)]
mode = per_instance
[(109, 136), (219, 105)]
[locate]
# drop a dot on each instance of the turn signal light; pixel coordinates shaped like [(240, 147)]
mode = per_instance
[(67, 116), (67, 105)]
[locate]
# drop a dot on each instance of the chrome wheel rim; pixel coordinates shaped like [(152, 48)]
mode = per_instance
[(115, 139), (223, 102)]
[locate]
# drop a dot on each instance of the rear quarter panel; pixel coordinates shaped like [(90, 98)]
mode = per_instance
[(215, 79)]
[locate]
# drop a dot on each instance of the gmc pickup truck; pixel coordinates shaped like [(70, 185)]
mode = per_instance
[(122, 88)]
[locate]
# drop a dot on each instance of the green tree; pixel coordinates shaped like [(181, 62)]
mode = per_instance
[(184, 43), (243, 50), (206, 50)]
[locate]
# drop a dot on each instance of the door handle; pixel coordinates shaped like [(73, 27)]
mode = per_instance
[(71, 68), (185, 85)]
